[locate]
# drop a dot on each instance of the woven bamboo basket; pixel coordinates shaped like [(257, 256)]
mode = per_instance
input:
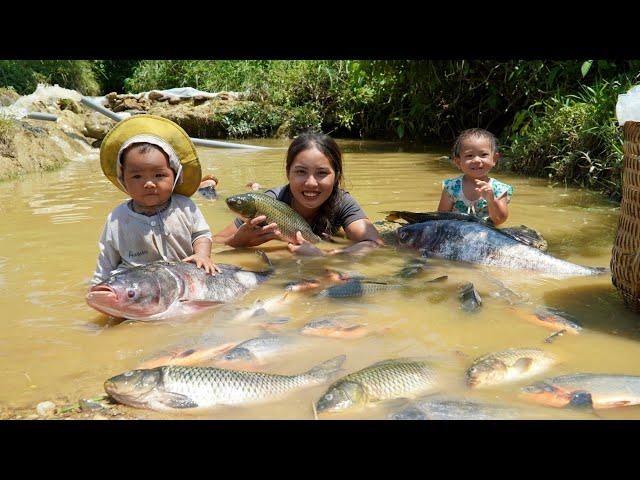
[(625, 257)]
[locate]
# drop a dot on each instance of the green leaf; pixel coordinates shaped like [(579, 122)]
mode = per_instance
[(400, 131), (586, 66)]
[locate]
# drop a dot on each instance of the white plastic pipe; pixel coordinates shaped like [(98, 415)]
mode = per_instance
[(43, 116), (196, 141)]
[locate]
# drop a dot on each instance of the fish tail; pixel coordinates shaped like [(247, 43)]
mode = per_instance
[(327, 369), (266, 259)]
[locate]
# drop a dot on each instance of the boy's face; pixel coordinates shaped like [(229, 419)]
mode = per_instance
[(147, 177), (476, 157)]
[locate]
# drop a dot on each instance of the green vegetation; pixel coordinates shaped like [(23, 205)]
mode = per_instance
[(554, 118), (24, 75)]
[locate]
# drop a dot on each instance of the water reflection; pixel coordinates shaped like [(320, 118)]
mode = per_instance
[(52, 222)]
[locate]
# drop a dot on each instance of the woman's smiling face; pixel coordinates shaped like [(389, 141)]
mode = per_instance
[(311, 179)]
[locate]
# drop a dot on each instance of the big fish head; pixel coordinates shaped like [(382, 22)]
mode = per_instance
[(417, 235), (486, 372), (135, 387), (136, 293), (341, 396), (243, 204)]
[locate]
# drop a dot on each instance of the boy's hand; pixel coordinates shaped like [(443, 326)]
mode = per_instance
[(203, 262), (484, 189)]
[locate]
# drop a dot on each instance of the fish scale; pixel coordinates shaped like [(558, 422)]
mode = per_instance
[(215, 385), (254, 204), (392, 379)]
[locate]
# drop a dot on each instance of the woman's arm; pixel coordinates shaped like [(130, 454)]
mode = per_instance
[(250, 234), (361, 232)]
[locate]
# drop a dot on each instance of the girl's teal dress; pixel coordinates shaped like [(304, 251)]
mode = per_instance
[(478, 208)]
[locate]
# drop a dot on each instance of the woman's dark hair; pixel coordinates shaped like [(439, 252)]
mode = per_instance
[(329, 148)]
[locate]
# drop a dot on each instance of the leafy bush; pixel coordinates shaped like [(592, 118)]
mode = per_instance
[(573, 138), (24, 75)]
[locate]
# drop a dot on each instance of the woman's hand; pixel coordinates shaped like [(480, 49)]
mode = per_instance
[(203, 261), (304, 248), (251, 234)]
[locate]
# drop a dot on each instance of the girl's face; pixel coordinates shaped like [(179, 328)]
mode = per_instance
[(311, 179), (147, 177), (476, 157)]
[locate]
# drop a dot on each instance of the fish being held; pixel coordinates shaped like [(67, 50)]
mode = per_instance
[(174, 388), (507, 366), (385, 380), (474, 242), (161, 289), (585, 390), (254, 204)]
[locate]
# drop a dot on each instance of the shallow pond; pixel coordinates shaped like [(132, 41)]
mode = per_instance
[(53, 346)]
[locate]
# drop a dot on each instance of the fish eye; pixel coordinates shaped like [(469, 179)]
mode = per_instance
[(328, 397), (131, 293), (129, 373)]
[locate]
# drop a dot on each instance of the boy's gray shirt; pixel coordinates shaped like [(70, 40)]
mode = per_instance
[(130, 239)]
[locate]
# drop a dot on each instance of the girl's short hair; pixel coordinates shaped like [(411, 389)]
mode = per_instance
[(478, 133)]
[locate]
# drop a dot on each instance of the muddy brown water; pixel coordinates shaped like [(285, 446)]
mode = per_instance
[(54, 347)]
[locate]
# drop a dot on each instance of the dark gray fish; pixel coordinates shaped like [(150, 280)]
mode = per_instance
[(357, 288), (473, 242), (469, 297), (165, 289), (413, 267), (208, 192)]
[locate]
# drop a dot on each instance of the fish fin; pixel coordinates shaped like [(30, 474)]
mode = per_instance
[(199, 304), (581, 399), (176, 400), (523, 364), (419, 217), (619, 403), (266, 259), (327, 369), (525, 235), (438, 279), (352, 327)]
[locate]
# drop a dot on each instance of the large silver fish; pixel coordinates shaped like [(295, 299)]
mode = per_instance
[(175, 387), (595, 390), (475, 242), (165, 289)]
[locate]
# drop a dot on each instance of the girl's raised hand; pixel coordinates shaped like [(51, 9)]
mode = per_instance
[(484, 189)]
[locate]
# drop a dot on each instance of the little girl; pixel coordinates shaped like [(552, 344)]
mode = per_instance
[(475, 152)]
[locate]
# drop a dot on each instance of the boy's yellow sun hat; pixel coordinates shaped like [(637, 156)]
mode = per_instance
[(162, 128)]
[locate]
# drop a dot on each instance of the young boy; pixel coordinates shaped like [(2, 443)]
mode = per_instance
[(153, 161), (475, 152)]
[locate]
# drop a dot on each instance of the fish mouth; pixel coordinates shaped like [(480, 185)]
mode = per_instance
[(101, 296)]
